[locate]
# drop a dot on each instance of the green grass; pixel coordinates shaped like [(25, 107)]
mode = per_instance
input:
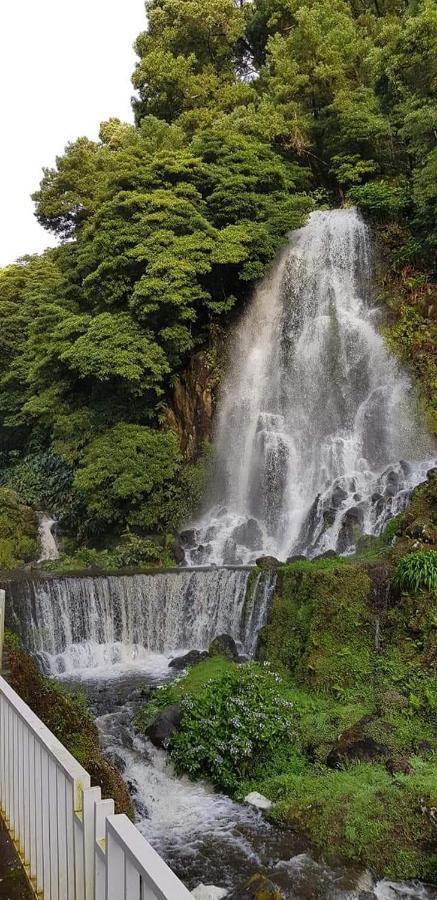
[(362, 814)]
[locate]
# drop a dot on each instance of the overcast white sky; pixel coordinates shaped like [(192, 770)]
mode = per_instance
[(65, 66)]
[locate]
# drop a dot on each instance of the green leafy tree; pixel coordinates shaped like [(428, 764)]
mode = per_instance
[(125, 473)]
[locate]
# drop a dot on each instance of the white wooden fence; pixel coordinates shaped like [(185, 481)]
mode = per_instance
[(72, 845)]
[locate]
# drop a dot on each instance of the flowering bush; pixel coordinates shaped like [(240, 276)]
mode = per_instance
[(232, 726)]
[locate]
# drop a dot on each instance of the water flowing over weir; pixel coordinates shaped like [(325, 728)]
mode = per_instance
[(76, 623), (316, 438)]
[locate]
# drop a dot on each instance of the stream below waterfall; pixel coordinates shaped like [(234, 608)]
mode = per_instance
[(204, 836), (113, 636)]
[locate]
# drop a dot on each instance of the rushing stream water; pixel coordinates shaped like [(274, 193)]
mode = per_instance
[(113, 636), (317, 441)]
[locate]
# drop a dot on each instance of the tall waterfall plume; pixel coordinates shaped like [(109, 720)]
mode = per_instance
[(317, 440)]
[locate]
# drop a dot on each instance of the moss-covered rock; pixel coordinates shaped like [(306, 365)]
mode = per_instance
[(258, 887), (417, 526), (18, 531), (68, 717)]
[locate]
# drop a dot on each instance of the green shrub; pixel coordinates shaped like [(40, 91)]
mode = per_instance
[(417, 571), (233, 725), (134, 550), (42, 480), (380, 199)]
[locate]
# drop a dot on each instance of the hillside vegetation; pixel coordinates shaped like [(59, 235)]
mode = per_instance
[(247, 116)]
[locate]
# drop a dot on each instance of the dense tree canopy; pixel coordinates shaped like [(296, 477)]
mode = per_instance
[(247, 114)]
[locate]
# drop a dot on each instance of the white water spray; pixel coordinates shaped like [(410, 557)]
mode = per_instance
[(78, 623), (317, 441)]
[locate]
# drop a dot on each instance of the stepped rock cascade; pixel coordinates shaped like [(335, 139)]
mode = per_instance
[(317, 440), (76, 623)]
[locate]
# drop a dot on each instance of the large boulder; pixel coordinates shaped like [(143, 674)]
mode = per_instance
[(356, 744), (328, 554), (178, 551), (268, 562), (163, 725), (189, 538), (249, 534), (224, 645), (298, 557), (189, 659)]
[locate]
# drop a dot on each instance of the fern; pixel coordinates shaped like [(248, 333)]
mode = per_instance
[(417, 572)]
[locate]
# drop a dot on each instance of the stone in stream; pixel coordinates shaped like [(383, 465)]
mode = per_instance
[(163, 726), (258, 800), (258, 887), (224, 645), (209, 892), (188, 659)]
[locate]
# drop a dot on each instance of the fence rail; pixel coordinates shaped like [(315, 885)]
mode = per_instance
[(71, 844)]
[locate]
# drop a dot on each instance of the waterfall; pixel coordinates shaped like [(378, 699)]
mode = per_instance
[(84, 622), (47, 542), (317, 440)]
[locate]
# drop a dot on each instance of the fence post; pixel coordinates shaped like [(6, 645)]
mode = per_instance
[(2, 625), (103, 809), (91, 796)]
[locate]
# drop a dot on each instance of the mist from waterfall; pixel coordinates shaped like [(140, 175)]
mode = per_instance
[(317, 440)]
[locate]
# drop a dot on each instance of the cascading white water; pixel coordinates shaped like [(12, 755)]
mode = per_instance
[(48, 545), (76, 623), (316, 440)]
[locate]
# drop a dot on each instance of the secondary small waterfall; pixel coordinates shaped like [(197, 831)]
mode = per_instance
[(47, 541), (316, 439), (74, 623)]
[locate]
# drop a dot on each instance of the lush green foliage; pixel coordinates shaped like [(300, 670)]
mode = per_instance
[(246, 114), (320, 627), (417, 572), (362, 814), (18, 531), (373, 802)]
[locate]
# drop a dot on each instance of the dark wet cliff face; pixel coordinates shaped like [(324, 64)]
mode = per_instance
[(192, 405)]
